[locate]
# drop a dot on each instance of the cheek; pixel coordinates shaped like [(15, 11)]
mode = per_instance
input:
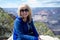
[(21, 13), (27, 13)]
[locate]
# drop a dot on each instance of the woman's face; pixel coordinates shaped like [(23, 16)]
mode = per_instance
[(24, 12)]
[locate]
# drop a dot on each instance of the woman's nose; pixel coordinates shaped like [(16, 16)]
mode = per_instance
[(24, 11)]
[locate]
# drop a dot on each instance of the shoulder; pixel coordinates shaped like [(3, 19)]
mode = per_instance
[(18, 20), (31, 22), (17, 23)]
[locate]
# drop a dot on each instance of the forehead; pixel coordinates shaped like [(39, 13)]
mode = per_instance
[(24, 7)]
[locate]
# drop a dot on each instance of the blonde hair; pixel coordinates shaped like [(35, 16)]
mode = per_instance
[(30, 12)]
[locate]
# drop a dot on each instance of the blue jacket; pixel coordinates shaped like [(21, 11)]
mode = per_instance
[(21, 31)]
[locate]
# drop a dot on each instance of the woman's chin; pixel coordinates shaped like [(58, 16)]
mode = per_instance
[(25, 16)]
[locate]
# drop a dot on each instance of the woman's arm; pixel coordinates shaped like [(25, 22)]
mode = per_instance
[(19, 30)]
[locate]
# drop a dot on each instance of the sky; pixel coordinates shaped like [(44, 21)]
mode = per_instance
[(31, 3)]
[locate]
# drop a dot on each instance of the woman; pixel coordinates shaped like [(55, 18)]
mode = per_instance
[(23, 25)]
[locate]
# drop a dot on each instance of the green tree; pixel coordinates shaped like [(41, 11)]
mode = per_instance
[(43, 29), (6, 23)]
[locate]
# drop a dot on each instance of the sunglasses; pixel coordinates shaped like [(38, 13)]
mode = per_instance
[(22, 10)]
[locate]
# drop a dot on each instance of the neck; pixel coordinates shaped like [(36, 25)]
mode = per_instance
[(24, 19)]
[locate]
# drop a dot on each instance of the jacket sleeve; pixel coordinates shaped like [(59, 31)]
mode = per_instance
[(34, 29), (19, 30)]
